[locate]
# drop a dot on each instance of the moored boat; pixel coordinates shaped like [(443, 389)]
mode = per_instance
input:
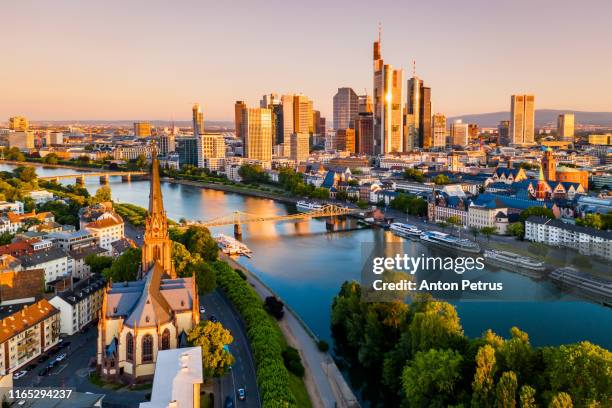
[(510, 259), (451, 242), (306, 206), (405, 230)]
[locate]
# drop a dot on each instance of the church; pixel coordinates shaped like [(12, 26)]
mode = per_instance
[(154, 313)]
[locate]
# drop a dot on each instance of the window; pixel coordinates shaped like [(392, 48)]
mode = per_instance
[(165, 340), (129, 341), (147, 348)]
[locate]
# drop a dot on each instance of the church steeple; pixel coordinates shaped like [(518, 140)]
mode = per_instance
[(157, 247)]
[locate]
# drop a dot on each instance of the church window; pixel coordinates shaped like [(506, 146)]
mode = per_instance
[(166, 340), (147, 348), (129, 341)]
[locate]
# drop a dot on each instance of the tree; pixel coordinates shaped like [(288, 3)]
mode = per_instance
[(141, 162), (527, 397), (488, 231), (592, 220), (454, 220), (482, 386), (415, 175), (198, 240), (124, 268), (274, 307), (293, 361), (214, 341), (441, 179), (250, 173), (6, 238), (561, 400), (26, 174), (84, 159), (430, 379), (434, 325), (516, 229), (51, 158), (97, 263), (537, 211), (103, 194), (505, 391)]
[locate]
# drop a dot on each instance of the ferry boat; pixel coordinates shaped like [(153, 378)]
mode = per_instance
[(306, 206), (510, 259), (598, 288), (405, 230), (449, 241), (232, 246)]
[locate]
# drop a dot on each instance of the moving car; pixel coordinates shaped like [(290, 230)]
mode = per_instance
[(202, 309), (19, 374), (61, 357), (241, 394)]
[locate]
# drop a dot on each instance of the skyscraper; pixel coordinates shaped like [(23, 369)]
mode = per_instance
[(459, 133), (299, 147), (198, 120), (302, 114), (565, 127), (473, 132), (187, 149), (287, 113), (439, 130), (503, 133), (167, 144), (364, 133), (142, 129), (345, 140), (388, 103), (522, 119), (269, 100), (239, 106), (346, 107), (419, 105), (257, 133), (365, 104), (18, 123)]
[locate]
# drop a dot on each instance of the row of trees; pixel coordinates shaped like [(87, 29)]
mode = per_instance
[(293, 182), (418, 356)]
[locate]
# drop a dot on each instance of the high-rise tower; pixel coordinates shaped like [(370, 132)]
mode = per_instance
[(346, 107), (198, 120), (522, 119), (565, 127), (419, 105)]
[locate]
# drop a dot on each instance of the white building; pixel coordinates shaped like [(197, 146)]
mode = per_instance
[(16, 207), (494, 215), (79, 306), (68, 240), (41, 196), (55, 262), (107, 230), (178, 375), (588, 241)]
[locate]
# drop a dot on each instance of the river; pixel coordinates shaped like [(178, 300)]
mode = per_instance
[(305, 265)]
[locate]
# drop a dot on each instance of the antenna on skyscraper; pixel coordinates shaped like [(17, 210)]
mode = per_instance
[(413, 68), (379, 32)]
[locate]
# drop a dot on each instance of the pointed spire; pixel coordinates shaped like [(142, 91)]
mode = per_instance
[(156, 203), (379, 32)]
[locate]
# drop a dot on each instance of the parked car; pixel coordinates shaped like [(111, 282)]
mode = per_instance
[(61, 357), (19, 374), (202, 309), (241, 394), (213, 319), (229, 402)]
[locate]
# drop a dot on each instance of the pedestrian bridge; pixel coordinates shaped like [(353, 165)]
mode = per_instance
[(104, 176)]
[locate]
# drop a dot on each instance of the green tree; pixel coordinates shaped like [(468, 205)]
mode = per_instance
[(103, 194), (198, 240), (561, 400), (415, 175), (214, 340), (475, 231), (482, 386), (505, 391), (51, 158), (26, 173), (537, 211), (435, 325), (488, 231), (516, 229), (527, 397), (441, 179), (430, 379), (124, 268), (250, 173), (98, 263), (6, 238)]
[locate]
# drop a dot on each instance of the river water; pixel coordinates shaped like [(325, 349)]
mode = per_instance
[(305, 265)]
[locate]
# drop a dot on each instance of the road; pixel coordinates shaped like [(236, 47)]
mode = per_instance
[(242, 374)]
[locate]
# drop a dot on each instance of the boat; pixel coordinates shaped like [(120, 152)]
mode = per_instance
[(231, 246), (405, 230), (598, 288), (510, 259), (306, 206), (449, 241)]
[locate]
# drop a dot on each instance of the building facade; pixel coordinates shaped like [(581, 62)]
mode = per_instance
[(439, 130), (565, 127), (257, 133), (522, 120), (346, 107)]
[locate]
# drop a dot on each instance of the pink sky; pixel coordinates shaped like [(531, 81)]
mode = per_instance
[(153, 59)]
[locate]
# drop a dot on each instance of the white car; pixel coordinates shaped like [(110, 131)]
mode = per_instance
[(202, 309), (61, 357), (20, 374)]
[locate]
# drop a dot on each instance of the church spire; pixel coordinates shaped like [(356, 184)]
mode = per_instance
[(156, 203)]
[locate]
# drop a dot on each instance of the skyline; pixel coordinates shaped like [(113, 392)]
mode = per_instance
[(150, 61)]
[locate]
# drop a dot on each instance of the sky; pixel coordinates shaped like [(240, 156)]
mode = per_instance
[(151, 60)]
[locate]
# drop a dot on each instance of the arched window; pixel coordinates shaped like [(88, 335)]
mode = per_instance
[(129, 342), (165, 340), (147, 348)]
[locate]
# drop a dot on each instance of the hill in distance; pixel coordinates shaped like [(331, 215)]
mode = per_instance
[(542, 117)]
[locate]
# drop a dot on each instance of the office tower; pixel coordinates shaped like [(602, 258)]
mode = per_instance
[(54, 138), (211, 151), (320, 132), (345, 140), (269, 100), (23, 140), (388, 103), (277, 124), (419, 105), (439, 130), (257, 133), (287, 112), (411, 136), (187, 149), (198, 120), (310, 117), (346, 107), (299, 147), (459, 133), (167, 144), (503, 133), (316, 115), (522, 119), (364, 133), (565, 127), (18, 123), (142, 129), (365, 104), (239, 106), (302, 114), (473, 132)]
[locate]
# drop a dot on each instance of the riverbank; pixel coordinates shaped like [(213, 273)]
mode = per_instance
[(53, 166), (325, 384)]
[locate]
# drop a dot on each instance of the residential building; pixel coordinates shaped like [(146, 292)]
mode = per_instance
[(211, 151), (522, 120), (41, 196), (300, 148), (439, 130), (26, 334), (23, 140), (18, 123), (459, 133), (16, 207), (565, 127), (588, 241), (257, 133), (80, 305), (56, 263), (132, 152), (346, 107), (80, 269), (142, 129), (54, 138), (16, 284), (178, 376)]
